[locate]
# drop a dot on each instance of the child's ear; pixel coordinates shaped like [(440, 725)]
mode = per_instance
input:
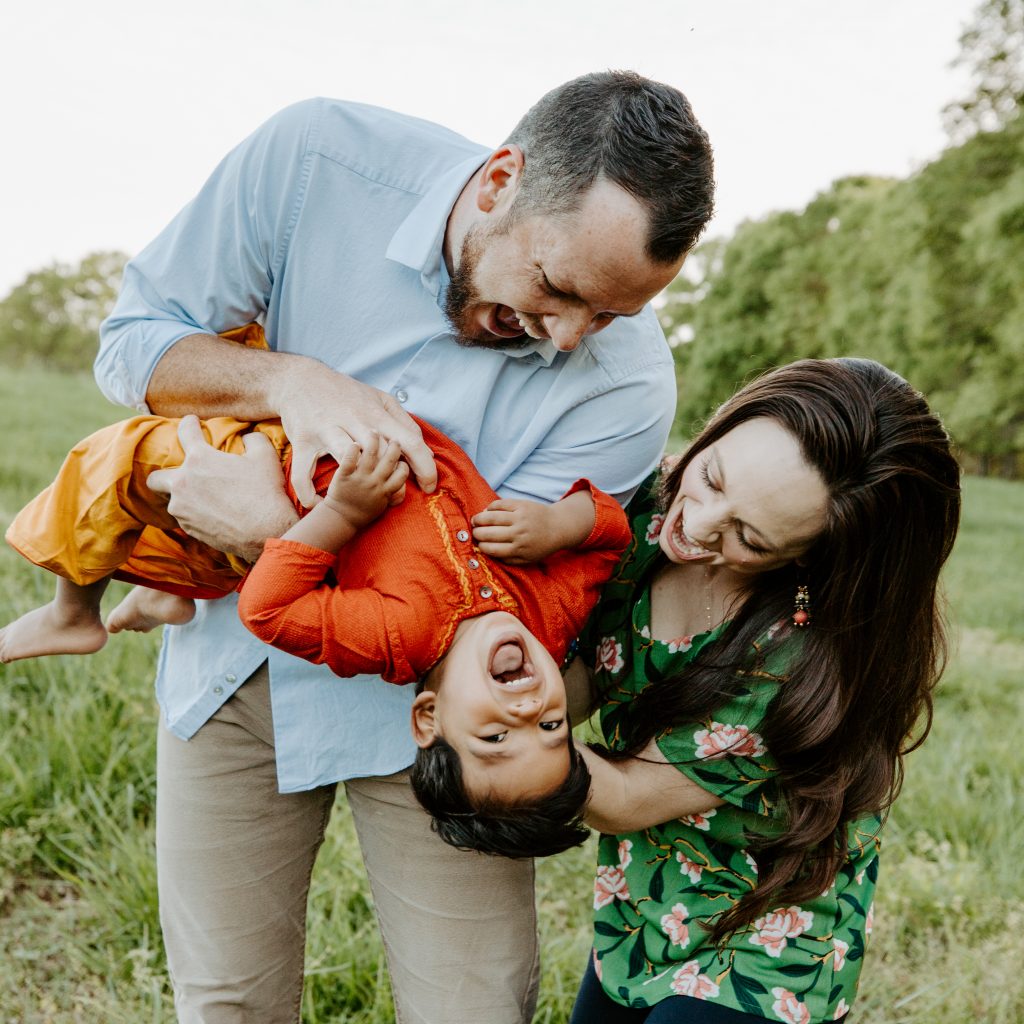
[(424, 725)]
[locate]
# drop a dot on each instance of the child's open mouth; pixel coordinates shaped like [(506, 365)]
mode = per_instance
[(510, 666)]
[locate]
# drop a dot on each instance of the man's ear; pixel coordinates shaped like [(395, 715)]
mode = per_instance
[(423, 723), (499, 179)]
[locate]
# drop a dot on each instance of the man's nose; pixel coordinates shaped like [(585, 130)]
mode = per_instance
[(566, 331)]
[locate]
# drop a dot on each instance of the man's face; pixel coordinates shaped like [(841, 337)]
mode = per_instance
[(557, 276), (499, 700)]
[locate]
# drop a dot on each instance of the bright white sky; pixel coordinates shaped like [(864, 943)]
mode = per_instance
[(113, 112)]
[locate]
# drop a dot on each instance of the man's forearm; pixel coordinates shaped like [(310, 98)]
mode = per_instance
[(208, 376)]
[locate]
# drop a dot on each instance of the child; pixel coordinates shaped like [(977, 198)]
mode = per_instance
[(404, 595)]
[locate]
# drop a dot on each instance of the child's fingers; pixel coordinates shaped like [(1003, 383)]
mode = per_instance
[(503, 505), (371, 452), (397, 477), (349, 459), (491, 517), (503, 551), (492, 535), (389, 459)]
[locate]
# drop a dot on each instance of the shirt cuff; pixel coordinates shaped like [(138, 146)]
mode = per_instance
[(611, 525)]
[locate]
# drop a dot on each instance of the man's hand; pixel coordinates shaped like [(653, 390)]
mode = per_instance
[(367, 481), (323, 411), (231, 502)]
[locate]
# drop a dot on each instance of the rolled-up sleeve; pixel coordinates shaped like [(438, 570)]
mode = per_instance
[(214, 265)]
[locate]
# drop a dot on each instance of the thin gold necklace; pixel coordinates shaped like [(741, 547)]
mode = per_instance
[(707, 594)]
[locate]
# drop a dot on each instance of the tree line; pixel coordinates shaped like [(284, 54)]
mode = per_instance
[(923, 274)]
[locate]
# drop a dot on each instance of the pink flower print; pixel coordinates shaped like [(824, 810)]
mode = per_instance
[(869, 921), (681, 643), (625, 857), (859, 878), (698, 820), (610, 885), (654, 528), (609, 655), (598, 966), (689, 867), (839, 960), (674, 926), (688, 981), (788, 1008), (774, 928), (841, 1009), (722, 739)]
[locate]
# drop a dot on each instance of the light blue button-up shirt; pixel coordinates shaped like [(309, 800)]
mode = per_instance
[(327, 226)]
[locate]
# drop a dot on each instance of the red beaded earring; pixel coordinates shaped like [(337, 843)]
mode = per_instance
[(802, 615)]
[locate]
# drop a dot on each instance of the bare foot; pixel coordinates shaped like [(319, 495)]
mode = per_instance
[(52, 630), (144, 609)]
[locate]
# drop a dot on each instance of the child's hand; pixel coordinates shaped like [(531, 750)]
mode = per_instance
[(517, 531), (367, 481)]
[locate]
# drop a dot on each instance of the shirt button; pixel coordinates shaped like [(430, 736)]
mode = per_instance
[(218, 689), (402, 395), (462, 535), (486, 592), (473, 564), (229, 678)]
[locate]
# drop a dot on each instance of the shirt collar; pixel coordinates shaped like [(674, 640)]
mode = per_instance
[(419, 239)]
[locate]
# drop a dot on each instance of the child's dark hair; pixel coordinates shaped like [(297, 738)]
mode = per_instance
[(537, 827)]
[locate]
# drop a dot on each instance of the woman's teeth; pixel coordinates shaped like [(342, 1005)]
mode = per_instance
[(686, 545)]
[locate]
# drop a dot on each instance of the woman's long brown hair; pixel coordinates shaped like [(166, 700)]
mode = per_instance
[(859, 695)]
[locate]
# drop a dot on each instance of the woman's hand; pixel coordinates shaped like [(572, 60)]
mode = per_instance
[(634, 794)]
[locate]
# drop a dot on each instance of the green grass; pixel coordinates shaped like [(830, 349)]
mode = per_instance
[(79, 937)]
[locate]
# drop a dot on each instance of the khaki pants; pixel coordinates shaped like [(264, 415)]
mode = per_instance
[(234, 860)]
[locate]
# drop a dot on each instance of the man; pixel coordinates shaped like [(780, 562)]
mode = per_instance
[(383, 252)]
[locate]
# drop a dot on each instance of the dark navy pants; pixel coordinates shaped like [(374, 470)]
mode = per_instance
[(593, 1006)]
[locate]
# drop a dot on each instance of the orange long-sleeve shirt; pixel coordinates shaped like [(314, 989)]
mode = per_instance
[(389, 602)]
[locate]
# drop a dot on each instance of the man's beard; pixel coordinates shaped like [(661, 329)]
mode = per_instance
[(462, 296)]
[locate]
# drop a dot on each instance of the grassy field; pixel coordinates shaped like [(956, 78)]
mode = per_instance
[(79, 937)]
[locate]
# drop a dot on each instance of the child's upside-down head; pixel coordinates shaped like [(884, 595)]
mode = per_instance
[(497, 768)]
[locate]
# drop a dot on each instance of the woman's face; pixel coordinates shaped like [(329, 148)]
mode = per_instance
[(748, 503)]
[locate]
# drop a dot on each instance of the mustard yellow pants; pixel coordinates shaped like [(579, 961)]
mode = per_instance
[(98, 518)]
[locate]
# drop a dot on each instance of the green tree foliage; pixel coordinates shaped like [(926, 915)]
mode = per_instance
[(53, 316), (921, 274), (992, 49)]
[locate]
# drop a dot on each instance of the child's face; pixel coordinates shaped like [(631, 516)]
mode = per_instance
[(499, 700), (748, 503)]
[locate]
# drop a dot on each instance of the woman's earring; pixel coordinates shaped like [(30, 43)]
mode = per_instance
[(802, 615)]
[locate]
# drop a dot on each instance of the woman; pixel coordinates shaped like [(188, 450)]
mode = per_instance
[(763, 656)]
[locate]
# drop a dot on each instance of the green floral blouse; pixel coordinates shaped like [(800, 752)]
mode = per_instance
[(655, 888)]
